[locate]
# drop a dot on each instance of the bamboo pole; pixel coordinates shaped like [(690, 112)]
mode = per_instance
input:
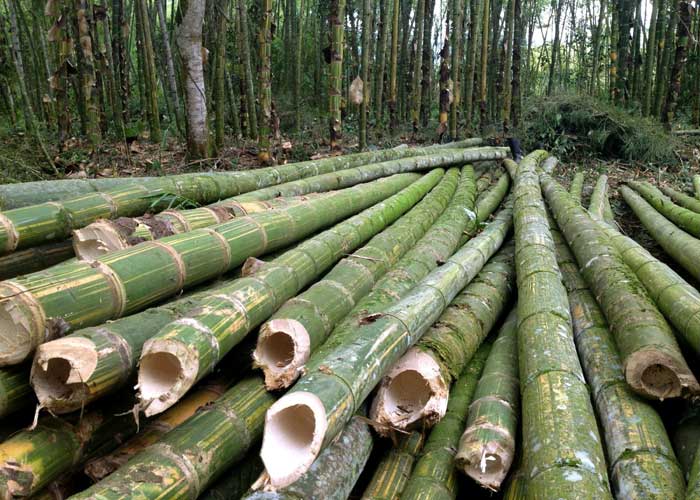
[(685, 219), (15, 391), (341, 374), (104, 358), (34, 259), (184, 351), (599, 206), (36, 224), (693, 491), (641, 462), (334, 473), (682, 199), (576, 188), (443, 351), (190, 457), (235, 482), (686, 437), (487, 447), (434, 475), (562, 454), (391, 475), (696, 186), (652, 361), (681, 246), (48, 304), (305, 321)]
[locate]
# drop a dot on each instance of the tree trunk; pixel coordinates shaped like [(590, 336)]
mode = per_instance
[(516, 109), (189, 41), (170, 66), (335, 92), (679, 63), (381, 61), (664, 58), (393, 76), (427, 63), (417, 64), (555, 46), (149, 69), (475, 11), (221, 9), (507, 65), (484, 64), (367, 31), (266, 126), (455, 63), (650, 58), (244, 48)]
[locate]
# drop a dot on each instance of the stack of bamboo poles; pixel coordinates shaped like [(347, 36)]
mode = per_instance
[(505, 335)]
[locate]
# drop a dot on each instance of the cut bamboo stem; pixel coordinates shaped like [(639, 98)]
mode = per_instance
[(685, 219), (689, 202), (434, 475), (562, 453), (693, 491), (652, 361), (487, 447), (348, 366), (183, 352), (696, 186), (391, 474), (34, 259), (443, 351), (41, 306), (235, 482), (305, 321), (15, 391), (576, 188)]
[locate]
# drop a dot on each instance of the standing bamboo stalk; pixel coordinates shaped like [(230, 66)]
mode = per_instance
[(417, 62), (267, 129), (394, 65), (652, 362), (367, 33), (343, 372), (335, 78), (487, 447), (457, 17), (244, 48)]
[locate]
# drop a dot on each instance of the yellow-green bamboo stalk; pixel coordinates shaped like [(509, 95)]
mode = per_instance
[(487, 447), (562, 453), (346, 368), (183, 352), (687, 220), (696, 186), (15, 391), (576, 188), (689, 202), (38, 307), (599, 206), (652, 361), (34, 259), (391, 474)]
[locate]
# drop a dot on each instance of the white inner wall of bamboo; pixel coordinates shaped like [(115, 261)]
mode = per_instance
[(95, 240), (276, 351), (660, 381), (406, 394), (158, 374)]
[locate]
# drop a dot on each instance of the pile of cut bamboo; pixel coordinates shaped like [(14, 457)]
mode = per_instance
[(260, 334)]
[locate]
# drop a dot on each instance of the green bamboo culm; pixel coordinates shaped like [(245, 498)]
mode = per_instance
[(15, 391), (682, 199), (193, 455), (444, 350), (488, 201), (641, 462), (391, 474), (235, 482), (195, 343), (696, 186), (693, 491), (31, 459), (51, 221), (576, 187), (35, 259), (652, 361), (346, 368), (599, 206), (681, 246), (305, 321), (678, 301), (105, 236), (434, 475), (335, 471), (685, 219), (44, 305), (562, 453), (686, 437), (487, 447)]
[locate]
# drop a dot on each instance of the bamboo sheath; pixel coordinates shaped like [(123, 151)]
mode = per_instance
[(559, 460), (652, 361), (487, 447), (676, 298), (194, 454), (194, 344), (31, 459), (305, 321), (434, 475), (696, 186), (681, 246), (685, 219), (391, 474), (335, 471), (41, 306), (442, 353), (641, 462), (346, 368), (106, 235), (34, 259), (576, 188), (42, 223), (682, 199)]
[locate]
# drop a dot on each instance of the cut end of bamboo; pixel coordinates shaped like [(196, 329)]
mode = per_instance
[(412, 395), (487, 462), (657, 375), (294, 430), (59, 372), (97, 239), (22, 324), (167, 370), (282, 350)]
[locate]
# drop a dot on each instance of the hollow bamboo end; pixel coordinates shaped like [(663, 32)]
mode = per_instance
[(282, 350), (60, 371), (167, 370), (295, 427), (97, 239), (487, 462), (657, 375), (412, 395), (22, 324)]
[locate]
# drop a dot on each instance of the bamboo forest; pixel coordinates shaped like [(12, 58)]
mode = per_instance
[(350, 249)]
